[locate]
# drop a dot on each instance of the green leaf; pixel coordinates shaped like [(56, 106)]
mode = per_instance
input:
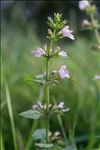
[(31, 114), (70, 147), (40, 76), (39, 134), (29, 78), (43, 145), (3, 103)]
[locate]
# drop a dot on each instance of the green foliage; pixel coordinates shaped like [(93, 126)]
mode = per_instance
[(31, 114), (70, 147), (39, 134)]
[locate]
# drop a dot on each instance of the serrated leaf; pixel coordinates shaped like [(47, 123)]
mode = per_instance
[(43, 145), (39, 134), (31, 114)]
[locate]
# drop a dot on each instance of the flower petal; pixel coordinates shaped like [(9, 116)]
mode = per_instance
[(66, 32), (83, 4), (62, 53), (38, 52)]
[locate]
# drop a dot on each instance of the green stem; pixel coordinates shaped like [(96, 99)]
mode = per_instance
[(47, 101), (47, 94), (95, 29)]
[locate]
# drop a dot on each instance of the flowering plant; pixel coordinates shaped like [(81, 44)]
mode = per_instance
[(92, 23), (58, 30)]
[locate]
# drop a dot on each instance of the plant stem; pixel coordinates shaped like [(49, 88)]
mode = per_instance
[(47, 93), (95, 29), (47, 100)]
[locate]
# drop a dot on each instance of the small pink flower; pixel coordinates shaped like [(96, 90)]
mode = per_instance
[(62, 53), (83, 4), (97, 77), (38, 52), (63, 72), (66, 32), (85, 23)]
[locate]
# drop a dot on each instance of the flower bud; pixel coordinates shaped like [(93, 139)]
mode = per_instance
[(85, 23)]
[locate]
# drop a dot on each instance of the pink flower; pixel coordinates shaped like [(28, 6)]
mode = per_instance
[(85, 23), (38, 52), (62, 53), (63, 72), (97, 77), (66, 32), (83, 4)]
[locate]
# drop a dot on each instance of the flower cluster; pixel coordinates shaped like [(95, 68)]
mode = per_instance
[(40, 52), (89, 9), (60, 108), (62, 31)]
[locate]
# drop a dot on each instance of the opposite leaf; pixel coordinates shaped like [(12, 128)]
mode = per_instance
[(39, 134), (31, 114)]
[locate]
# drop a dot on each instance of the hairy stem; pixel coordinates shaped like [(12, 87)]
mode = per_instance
[(95, 29)]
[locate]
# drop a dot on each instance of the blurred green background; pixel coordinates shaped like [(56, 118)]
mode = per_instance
[(23, 29)]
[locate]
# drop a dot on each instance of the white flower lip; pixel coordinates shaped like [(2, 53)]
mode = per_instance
[(83, 4), (66, 32), (61, 105)]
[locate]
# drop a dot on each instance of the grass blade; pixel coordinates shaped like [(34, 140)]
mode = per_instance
[(11, 117), (1, 143), (3, 104)]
